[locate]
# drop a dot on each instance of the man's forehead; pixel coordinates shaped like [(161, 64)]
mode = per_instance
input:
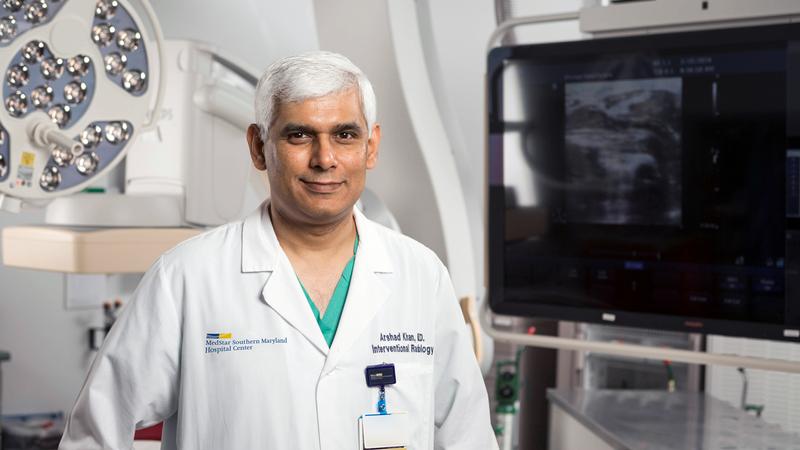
[(344, 104)]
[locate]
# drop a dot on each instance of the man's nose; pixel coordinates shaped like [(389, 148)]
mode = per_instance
[(324, 154)]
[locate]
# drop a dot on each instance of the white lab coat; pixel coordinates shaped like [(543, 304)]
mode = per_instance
[(281, 387)]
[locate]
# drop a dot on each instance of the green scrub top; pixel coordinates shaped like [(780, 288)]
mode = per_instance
[(330, 321)]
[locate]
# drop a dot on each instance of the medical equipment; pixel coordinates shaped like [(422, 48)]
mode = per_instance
[(67, 68), (201, 179), (507, 386), (650, 13), (654, 195)]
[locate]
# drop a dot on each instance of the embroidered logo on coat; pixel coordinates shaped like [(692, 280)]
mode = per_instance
[(224, 342)]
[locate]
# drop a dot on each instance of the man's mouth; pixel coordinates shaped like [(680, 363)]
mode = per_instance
[(322, 187)]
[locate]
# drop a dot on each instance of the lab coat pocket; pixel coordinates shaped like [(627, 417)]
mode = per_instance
[(413, 393)]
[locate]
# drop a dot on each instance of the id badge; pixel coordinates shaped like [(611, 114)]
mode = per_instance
[(383, 431)]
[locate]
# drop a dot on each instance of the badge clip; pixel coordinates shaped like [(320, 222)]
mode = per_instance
[(380, 376)]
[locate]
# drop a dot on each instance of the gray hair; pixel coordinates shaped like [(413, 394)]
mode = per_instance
[(310, 75)]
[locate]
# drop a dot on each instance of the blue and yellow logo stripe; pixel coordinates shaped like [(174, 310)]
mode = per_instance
[(219, 335)]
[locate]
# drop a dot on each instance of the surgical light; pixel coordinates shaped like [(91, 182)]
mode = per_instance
[(62, 156), (133, 80), (86, 164), (33, 51), (103, 34), (106, 9), (36, 12), (50, 178), (78, 65), (8, 28), (128, 40), (52, 68), (18, 75), (17, 104), (117, 132), (74, 92), (115, 63), (91, 136), (59, 114), (42, 96), (12, 5)]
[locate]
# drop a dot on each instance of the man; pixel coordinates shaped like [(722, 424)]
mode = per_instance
[(257, 334)]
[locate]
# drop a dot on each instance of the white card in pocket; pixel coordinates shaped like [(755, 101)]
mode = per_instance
[(383, 431)]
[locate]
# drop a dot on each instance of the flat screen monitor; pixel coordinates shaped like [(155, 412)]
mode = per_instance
[(649, 181)]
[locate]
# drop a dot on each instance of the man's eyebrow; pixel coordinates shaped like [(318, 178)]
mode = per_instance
[(292, 127), (347, 126)]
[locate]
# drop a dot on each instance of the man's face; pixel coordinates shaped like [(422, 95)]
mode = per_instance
[(316, 157)]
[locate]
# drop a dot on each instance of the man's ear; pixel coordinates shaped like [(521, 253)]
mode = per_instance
[(373, 144), (256, 147)]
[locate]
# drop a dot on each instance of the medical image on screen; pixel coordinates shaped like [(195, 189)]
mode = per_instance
[(623, 152)]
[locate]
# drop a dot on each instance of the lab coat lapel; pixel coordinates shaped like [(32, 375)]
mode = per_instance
[(367, 293), (283, 294), (261, 252)]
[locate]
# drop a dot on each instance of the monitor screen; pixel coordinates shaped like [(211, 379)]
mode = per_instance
[(649, 181)]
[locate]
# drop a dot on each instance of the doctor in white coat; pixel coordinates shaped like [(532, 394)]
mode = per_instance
[(256, 335)]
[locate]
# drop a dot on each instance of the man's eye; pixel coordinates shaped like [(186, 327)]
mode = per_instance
[(297, 137), (347, 135)]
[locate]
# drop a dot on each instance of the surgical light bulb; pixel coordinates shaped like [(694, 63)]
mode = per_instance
[(33, 51), (128, 39), (75, 92), (8, 28), (91, 136), (117, 132), (105, 9), (42, 96), (59, 114), (52, 68), (18, 75), (115, 63), (50, 179), (17, 104), (12, 5), (133, 80), (3, 166), (36, 12), (78, 65), (86, 164), (103, 34), (62, 156)]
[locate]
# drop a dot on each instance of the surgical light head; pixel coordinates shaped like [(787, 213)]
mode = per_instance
[(76, 89)]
